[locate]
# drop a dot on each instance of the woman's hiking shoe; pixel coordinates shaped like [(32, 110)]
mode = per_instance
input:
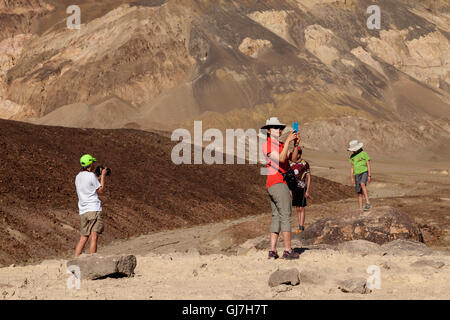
[(273, 255), (290, 255), (300, 229), (367, 207)]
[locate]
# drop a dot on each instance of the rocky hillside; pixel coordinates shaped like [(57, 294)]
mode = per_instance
[(232, 64)]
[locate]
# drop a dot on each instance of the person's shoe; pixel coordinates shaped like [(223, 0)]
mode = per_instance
[(273, 255), (367, 207), (290, 255), (300, 229)]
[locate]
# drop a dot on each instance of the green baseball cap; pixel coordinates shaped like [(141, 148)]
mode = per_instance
[(87, 160)]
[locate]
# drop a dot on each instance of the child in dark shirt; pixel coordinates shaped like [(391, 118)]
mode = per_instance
[(303, 175)]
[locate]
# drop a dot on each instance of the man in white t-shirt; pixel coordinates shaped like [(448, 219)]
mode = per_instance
[(89, 205)]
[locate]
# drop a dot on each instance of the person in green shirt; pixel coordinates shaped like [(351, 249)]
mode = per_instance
[(360, 172)]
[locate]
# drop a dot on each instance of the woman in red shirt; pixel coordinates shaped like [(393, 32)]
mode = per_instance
[(278, 157)]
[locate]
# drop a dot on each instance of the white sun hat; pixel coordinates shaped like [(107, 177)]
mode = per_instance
[(274, 122), (355, 145)]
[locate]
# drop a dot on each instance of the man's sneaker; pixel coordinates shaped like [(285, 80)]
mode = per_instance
[(367, 207), (273, 255), (290, 255), (300, 229)]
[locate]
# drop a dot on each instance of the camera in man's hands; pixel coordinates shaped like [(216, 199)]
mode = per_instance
[(99, 169)]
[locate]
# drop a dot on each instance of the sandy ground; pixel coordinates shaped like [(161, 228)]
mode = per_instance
[(169, 265), (191, 276)]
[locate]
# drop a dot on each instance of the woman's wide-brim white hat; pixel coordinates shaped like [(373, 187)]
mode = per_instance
[(355, 145), (274, 123)]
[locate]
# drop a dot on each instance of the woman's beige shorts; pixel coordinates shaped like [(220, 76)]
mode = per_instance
[(91, 222)]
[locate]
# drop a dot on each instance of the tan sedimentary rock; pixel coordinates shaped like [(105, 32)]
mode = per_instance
[(252, 47), (318, 40), (426, 58), (273, 20)]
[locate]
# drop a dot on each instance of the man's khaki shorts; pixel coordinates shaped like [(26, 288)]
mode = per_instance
[(91, 222)]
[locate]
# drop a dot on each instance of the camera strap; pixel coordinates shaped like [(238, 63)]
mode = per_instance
[(279, 170)]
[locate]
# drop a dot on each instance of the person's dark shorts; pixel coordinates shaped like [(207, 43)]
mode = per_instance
[(299, 198), (361, 178)]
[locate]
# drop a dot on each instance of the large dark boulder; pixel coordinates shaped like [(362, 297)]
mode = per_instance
[(380, 225)]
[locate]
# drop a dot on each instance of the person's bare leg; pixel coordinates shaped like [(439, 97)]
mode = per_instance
[(301, 216), (80, 245), (366, 195), (287, 240), (273, 241), (93, 242), (360, 200)]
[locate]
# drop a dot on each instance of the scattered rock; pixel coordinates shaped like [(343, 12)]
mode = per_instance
[(97, 267), (405, 248), (24, 283), (428, 263), (281, 288), (387, 265), (356, 285), (359, 247), (312, 277), (291, 276), (379, 225)]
